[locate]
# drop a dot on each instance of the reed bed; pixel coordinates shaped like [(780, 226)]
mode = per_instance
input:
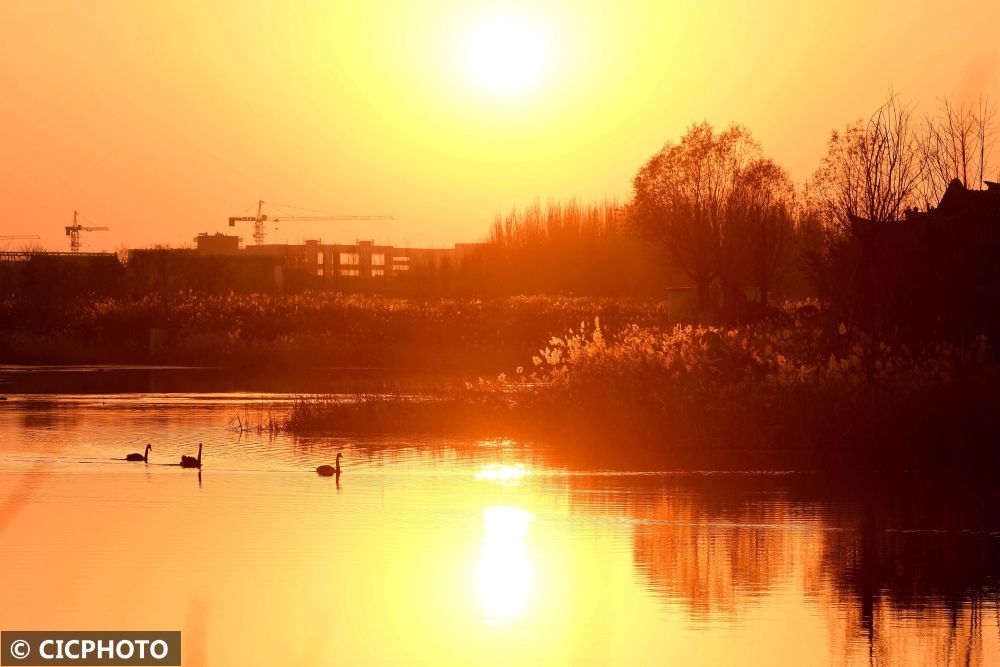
[(764, 395), (299, 330)]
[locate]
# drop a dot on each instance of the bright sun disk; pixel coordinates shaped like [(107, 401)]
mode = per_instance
[(506, 54)]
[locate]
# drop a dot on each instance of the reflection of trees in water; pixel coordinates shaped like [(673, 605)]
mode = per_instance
[(901, 571), (706, 561), (919, 555), (706, 544), (931, 634)]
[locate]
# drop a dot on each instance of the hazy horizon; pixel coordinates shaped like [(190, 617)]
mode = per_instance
[(160, 120)]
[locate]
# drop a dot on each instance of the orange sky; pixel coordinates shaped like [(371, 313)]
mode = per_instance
[(160, 119)]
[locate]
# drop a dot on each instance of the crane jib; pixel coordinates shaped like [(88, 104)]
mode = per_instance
[(261, 218)]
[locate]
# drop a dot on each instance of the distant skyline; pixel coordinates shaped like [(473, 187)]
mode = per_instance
[(161, 119)]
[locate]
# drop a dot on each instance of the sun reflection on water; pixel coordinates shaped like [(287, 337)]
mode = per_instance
[(505, 568), (503, 473)]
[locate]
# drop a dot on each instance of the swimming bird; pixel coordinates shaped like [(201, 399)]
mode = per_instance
[(328, 470), (136, 456), (190, 461)]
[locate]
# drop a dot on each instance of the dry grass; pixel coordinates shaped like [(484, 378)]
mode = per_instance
[(763, 395), (300, 331)]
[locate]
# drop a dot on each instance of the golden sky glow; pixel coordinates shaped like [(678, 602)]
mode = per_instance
[(160, 119)]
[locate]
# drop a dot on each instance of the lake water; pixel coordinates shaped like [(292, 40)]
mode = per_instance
[(437, 551)]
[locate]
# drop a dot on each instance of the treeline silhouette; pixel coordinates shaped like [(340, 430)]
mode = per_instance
[(573, 247), (894, 231), (561, 248), (895, 234), (601, 249)]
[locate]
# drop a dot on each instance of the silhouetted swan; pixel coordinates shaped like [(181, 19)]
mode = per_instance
[(330, 471), (136, 456), (190, 461)]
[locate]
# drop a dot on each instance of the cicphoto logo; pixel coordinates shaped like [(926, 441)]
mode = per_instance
[(90, 648)]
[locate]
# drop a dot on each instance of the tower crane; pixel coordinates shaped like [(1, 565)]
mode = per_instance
[(261, 217), (73, 232), (28, 237)]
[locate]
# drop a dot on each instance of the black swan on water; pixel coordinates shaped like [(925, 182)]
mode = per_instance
[(136, 456), (328, 470), (190, 461)]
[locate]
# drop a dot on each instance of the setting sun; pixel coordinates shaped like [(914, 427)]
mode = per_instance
[(505, 53)]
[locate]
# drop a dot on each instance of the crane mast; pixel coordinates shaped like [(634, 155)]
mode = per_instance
[(261, 217), (73, 232)]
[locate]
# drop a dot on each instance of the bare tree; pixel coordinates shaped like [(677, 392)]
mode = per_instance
[(124, 254), (683, 201), (872, 169), (956, 144), (871, 176)]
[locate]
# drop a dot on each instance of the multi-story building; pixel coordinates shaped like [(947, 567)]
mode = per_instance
[(331, 263)]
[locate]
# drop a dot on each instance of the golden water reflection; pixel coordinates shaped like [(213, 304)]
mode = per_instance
[(503, 473), (890, 573), (438, 553), (505, 568)]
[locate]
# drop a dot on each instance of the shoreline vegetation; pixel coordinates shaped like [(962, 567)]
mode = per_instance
[(299, 332), (764, 396)]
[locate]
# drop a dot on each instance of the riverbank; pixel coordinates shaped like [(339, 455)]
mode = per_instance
[(759, 397)]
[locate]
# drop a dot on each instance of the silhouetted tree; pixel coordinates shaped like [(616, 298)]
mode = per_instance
[(956, 143), (682, 201), (872, 169), (719, 209), (569, 248), (764, 206), (123, 253), (813, 243)]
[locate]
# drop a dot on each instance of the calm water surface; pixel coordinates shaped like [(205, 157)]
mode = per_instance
[(438, 552)]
